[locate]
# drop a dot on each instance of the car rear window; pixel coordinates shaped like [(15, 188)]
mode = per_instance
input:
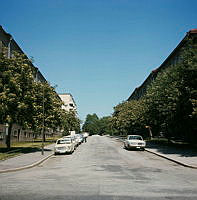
[(135, 137), (64, 141)]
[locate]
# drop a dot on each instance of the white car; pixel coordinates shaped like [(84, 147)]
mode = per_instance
[(64, 145), (134, 142), (72, 137), (79, 138)]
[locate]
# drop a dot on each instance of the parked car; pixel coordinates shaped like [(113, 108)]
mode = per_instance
[(134, 142), (79, 138), (64, 145), (73, 138)]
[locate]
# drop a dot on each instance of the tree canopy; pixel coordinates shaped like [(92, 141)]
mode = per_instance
[(169, 104), (33, 105)]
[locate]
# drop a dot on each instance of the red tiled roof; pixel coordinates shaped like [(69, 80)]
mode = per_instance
[(193, 31)]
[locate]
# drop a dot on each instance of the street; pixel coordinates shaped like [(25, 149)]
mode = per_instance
[(101, 169)]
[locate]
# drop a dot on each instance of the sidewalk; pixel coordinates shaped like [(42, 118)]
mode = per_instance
[(25, 161), (183, 156)]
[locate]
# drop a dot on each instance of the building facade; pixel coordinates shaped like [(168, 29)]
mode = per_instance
[(172, 60), (9, 45), (69, 102), (8, 42)]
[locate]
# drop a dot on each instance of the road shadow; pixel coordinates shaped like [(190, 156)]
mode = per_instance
[(23, 150), (184, 150), (133, 149)]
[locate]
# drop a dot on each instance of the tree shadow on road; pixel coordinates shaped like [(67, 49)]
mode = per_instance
[(184, 150), (22, 149)]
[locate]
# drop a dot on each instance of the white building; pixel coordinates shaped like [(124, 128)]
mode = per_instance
[(69, 103)]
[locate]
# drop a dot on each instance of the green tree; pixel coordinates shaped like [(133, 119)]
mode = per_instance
[(47, 111), (161, 101), (171, 98), (16, 83), (91, 124), (70, 122), (33, 105), (128, 117), (105, 125)]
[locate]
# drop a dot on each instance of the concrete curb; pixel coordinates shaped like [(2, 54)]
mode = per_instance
[(27, 166), (173, 160), (162, 156)]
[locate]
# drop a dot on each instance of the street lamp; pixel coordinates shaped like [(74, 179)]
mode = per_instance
[(43, 119), (150, 132), (9, 47), (6, 132)]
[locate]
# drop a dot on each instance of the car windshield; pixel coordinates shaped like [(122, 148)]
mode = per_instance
[(65, 141), (135, 137)]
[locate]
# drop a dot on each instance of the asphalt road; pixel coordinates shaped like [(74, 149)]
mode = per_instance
[(101, 170)]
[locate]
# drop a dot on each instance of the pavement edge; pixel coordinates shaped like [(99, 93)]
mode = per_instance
[(170, 159), (173, 160), (27, 166)]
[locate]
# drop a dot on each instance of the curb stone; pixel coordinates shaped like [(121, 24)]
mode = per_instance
[(27, 166), (175, 161), (165, 157)]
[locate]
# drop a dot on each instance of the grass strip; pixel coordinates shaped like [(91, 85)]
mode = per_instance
[(18, 148)]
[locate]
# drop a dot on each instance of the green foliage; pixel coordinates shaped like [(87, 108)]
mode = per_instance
[(91, 124), (101, 126), (171, 99), (161, 100), (128, 117), (46, 107), (16, 85), (70, 122), (33, 105), (105, 125), (170, 102)]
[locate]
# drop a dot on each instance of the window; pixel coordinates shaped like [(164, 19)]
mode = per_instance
[(135, 137), (15, 134)]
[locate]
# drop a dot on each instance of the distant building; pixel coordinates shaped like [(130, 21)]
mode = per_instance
[(172, 60), (68, 100)]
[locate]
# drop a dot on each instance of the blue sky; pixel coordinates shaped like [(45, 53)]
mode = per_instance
[(98, 50)]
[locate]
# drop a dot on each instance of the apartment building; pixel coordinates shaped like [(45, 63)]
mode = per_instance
[(69, 102), (172, 60), (7, 41)]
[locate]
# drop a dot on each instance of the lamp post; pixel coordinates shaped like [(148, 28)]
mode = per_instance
[(6, 132), (9, 47), (150, 132), (43, 119)]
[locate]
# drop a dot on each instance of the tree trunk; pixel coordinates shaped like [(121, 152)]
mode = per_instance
[(44, 137), (150, 132), (8, 136), (18, 136)]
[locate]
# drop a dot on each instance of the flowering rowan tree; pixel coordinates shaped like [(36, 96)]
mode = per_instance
[(16, 83)]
